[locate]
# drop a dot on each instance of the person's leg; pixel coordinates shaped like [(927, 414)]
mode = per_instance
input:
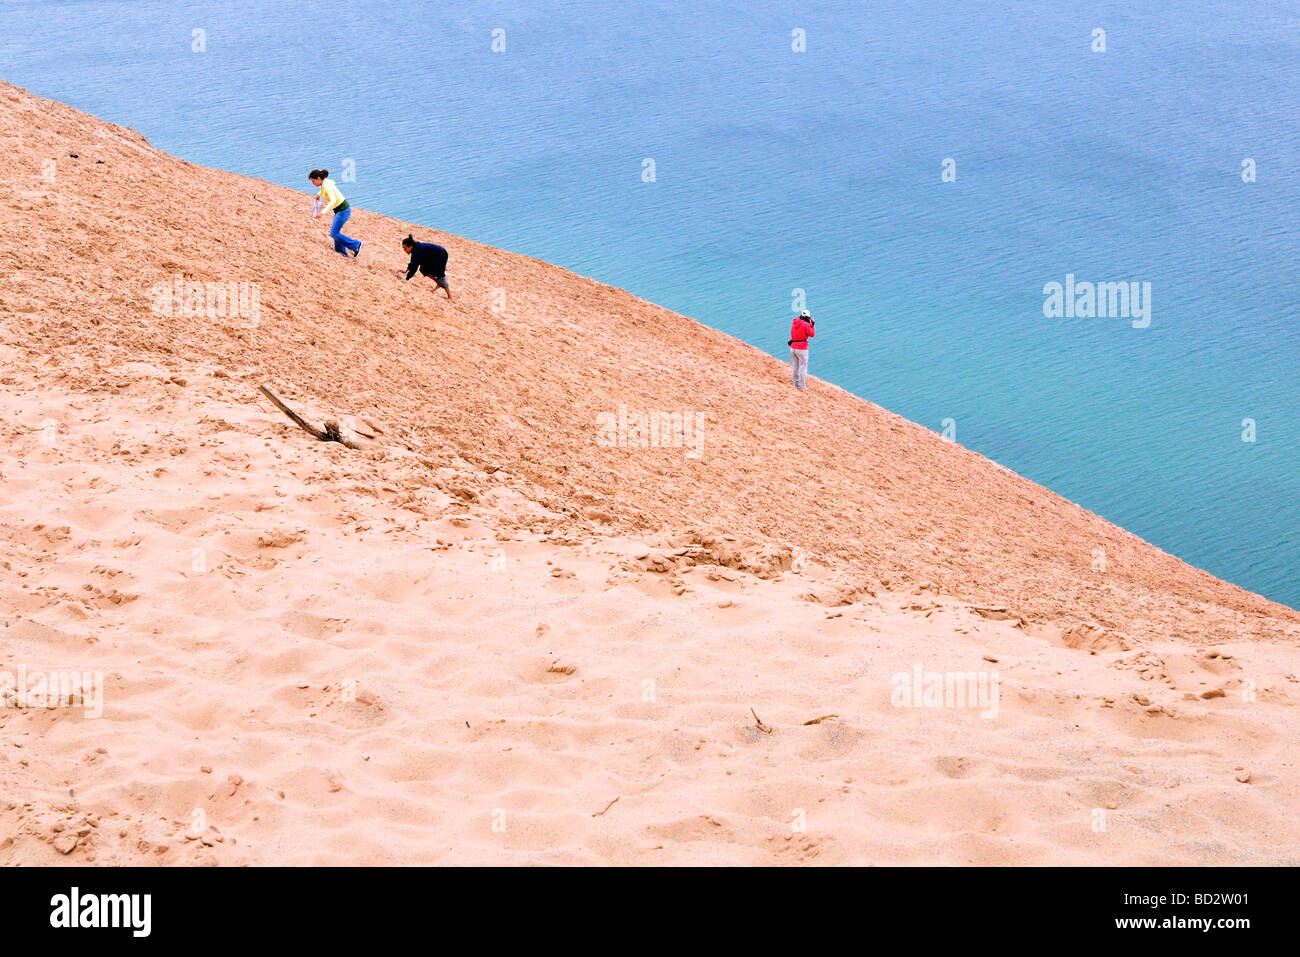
[(336, 231), (442, 281), (342, 243), (799, 360)]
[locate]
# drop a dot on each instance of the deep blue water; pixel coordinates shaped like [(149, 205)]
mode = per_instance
[(821, 170)]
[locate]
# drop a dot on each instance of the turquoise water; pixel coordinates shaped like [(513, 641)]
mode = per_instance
[(777, 170)]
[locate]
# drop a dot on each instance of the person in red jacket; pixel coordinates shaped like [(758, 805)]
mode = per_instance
[(801, 331)]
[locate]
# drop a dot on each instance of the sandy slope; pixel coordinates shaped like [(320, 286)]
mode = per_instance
[(463, 644)]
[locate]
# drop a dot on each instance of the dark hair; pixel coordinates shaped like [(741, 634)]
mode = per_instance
[(409, 240), (318, 174)]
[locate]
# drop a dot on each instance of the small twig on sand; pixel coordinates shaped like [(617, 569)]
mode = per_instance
[(607, 807), (766, 729), (825, 717)]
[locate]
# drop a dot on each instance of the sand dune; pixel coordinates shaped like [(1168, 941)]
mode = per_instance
[(495, 637)]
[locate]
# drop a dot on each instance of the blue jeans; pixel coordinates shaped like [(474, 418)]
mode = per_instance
[(342, 243)]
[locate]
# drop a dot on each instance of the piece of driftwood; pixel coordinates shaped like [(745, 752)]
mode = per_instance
[(316, 425), (297, 419), (336, 431)]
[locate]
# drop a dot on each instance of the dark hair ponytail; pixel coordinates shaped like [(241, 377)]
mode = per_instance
[(324, 173), (409, 240)]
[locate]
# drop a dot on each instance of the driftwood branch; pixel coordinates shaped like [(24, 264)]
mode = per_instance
[(293, 416), (326, 430)]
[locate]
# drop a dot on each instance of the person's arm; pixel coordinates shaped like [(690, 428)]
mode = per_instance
[(412, 266), (333, 198), (812, 329)]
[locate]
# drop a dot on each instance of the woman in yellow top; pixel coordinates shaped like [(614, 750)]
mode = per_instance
[(333, 200)]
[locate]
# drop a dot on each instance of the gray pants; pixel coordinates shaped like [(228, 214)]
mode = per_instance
[(799, 360)]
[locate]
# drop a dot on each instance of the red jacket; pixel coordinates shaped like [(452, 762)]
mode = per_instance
[(800, 332)]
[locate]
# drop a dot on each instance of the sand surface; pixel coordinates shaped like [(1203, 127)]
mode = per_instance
[(491, 636)]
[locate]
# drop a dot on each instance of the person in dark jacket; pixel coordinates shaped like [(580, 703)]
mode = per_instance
[(428, 258)]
